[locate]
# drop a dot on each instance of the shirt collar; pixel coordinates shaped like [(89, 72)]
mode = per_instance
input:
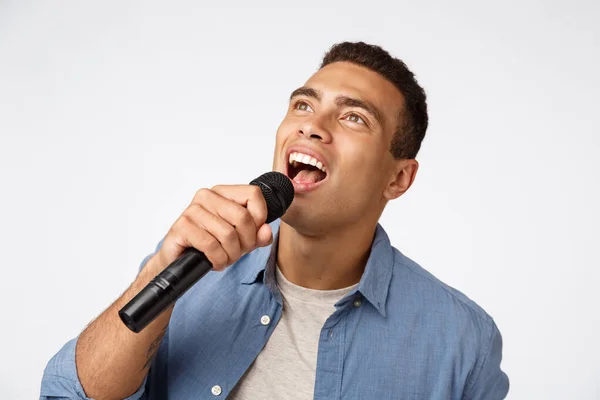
[(373, 285)]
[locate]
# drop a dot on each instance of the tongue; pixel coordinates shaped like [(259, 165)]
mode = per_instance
[(306, 176)]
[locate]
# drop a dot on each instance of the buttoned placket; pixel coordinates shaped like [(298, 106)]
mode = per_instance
[(266, 319), (330, 357)]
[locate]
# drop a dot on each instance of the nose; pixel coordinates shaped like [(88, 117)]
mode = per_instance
[(315, 129)]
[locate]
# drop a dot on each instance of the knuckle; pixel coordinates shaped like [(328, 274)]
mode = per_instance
[(181, 224), (230, 234), (188, 221), (255, 191), (219, 260), (243, 217), (201, 194), (193, 209), (211, 245), (182, 228)]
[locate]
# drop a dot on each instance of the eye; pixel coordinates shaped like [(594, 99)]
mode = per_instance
[(355, 118), (302, 106)]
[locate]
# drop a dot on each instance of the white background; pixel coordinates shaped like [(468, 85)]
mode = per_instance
[(112, 114)]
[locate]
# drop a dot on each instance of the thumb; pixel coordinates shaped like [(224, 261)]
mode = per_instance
[(264, 236)]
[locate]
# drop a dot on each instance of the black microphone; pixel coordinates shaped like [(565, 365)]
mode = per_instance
[(191, 265)]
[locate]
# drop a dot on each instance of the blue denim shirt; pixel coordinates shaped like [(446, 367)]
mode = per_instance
[(402, 334)]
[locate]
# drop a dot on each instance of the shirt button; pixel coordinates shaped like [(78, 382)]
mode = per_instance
[(357, 303), (265, 320), (216, 390)]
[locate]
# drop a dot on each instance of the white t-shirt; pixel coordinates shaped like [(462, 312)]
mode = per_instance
[(286, 367)]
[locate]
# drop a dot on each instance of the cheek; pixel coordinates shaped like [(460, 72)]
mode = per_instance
[(360, 157), (281, 137), (364, 168), (284, 131)]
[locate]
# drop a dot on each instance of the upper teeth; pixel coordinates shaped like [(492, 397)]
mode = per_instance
[(306, 159)]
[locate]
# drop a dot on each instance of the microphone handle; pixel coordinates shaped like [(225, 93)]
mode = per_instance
[(164, 289)]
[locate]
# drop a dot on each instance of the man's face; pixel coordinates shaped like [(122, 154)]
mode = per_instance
[(334, 144)]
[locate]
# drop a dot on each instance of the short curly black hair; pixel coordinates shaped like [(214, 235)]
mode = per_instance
[(409, 135)]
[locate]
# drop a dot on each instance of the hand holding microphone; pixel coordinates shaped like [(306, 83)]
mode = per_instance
[(223, 222), (218, 227)]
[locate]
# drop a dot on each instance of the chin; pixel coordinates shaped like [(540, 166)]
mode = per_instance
[(306, 223)]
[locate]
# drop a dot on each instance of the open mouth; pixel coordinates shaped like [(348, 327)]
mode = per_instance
[(305, 169)]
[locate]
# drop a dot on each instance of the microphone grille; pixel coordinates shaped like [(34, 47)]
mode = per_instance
[(278, 191)]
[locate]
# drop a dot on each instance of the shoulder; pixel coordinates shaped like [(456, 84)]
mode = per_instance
[(441, 317), (429, 296)]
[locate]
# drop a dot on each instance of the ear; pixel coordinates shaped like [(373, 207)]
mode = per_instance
[(405, 172)]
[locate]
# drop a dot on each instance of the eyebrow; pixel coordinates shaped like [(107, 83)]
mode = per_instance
[(308, 92), (341, 101)]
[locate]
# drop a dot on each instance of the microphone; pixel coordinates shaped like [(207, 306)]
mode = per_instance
[(191, 265)]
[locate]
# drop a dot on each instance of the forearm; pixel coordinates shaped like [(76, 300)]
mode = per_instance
[(111, 360)]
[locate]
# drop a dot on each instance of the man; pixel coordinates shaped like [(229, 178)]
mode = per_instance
[(318, 305)]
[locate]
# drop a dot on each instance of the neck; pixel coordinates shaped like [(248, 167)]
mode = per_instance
[(324, 262)]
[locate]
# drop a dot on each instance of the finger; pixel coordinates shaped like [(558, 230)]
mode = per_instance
[(188, 234), (264, 236), (232, 212), (247, 196), (223, 231)]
